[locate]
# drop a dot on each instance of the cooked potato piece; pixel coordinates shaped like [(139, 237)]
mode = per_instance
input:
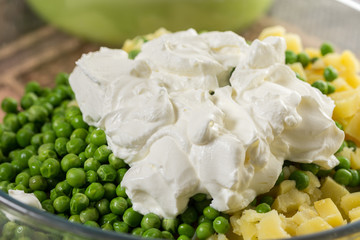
[(354, 214), (293, 42), (290, 202), (329, 212), (271, 226), (304, 214), (350, 201), (333, 190), (272, 31), (313, 225)]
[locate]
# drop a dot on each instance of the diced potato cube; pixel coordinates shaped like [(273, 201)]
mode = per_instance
[(314, 184), (290, 202), (218, 237), (271, 227), (329, 212), (313, 225), (352, 129), (347, 103), (304, 213), (355, 159), (333, 190), (349, 60), (350, 201), (333, 59), (278, 31), (313, 52), (341, 85), (352, 79), (244, 225), (289, 225), (354, 214), (293, 42)]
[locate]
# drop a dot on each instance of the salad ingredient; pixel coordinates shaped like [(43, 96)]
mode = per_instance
[(180, 97)]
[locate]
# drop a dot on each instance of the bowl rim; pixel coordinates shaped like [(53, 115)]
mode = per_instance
[(60, 224)]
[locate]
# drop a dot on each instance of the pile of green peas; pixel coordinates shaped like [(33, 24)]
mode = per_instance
[(47, 149)]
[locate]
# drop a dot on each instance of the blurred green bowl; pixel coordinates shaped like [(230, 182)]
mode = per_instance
[(113, 21)]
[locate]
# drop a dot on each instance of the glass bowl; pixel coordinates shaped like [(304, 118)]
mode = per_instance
[(314, 21)]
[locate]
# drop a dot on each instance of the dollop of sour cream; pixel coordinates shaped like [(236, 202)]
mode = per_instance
[(204, 113), (27, 198)]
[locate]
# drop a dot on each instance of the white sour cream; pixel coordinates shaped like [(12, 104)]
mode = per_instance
[(180, 140)]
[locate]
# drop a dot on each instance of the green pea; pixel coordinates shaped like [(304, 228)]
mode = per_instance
[(311, 167), (91, 176), (103, 206), (121, 191), (46, 146), (8, 141), (116, 162), (21, 187), (75, 219), (301, 178), (330, 73), (33, 87), (331, 88), (186, 229), (95, 191), (183, 237), (108, 218), (60, 146), (49, 137), (11, 122), (28, 100), (62, 79), (152, 233), (326, 48), (46, 127), (79, 133), (37, 139), (120, 174), (78, 122), (76, 177), (50, 168), (107, 227), (200, 206), (344, 162), (62, 204), (78, 203), (64, 188), (321, 85), (91, 164), (98, 137), (267, 199), (71, 112), (47, 205), (89, 214), (3, 186), (52, 182), (280, 178), (8, 230), (343, 176), (70, 161), (62, 128), (90, 150), (351, 144), (55, 194), (133, 53), (78, 190), (211, 213), (102, 153), (106, 173), (82, 157), (199, 197), (202, 219), (40, 195), (263, 208), (110, 190), (34, 165), (54, 98), (75, 145), (91, 224), (23, 137), (9, 105), (355, 179), (32, 149), (166, 235), (204, 230), (118, 205), (23, 157), (120, 226), (23, 178), (137, 231), (37, 113), (131, 217), (150, 220), (11, 186), (170, 225), (303, 58), (7, 172), (43, 155), (290, 57)]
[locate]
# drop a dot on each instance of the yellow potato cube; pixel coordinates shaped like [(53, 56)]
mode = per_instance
[(341, 85), (304, 214), (350, 201), (352, 79), (353, 130), (313, 52), (286, 186), (244, 225), (314, 184), (289, 202), (329, 212), (289, 225), (347, 103), (313, 225), (354, 214), (333, 59), (271, 227), (333, 190), (293, 42), (355, 159), (349, 60), (278, 31)]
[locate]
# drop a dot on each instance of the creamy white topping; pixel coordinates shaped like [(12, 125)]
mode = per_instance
[(27, 198), (180, 140)]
